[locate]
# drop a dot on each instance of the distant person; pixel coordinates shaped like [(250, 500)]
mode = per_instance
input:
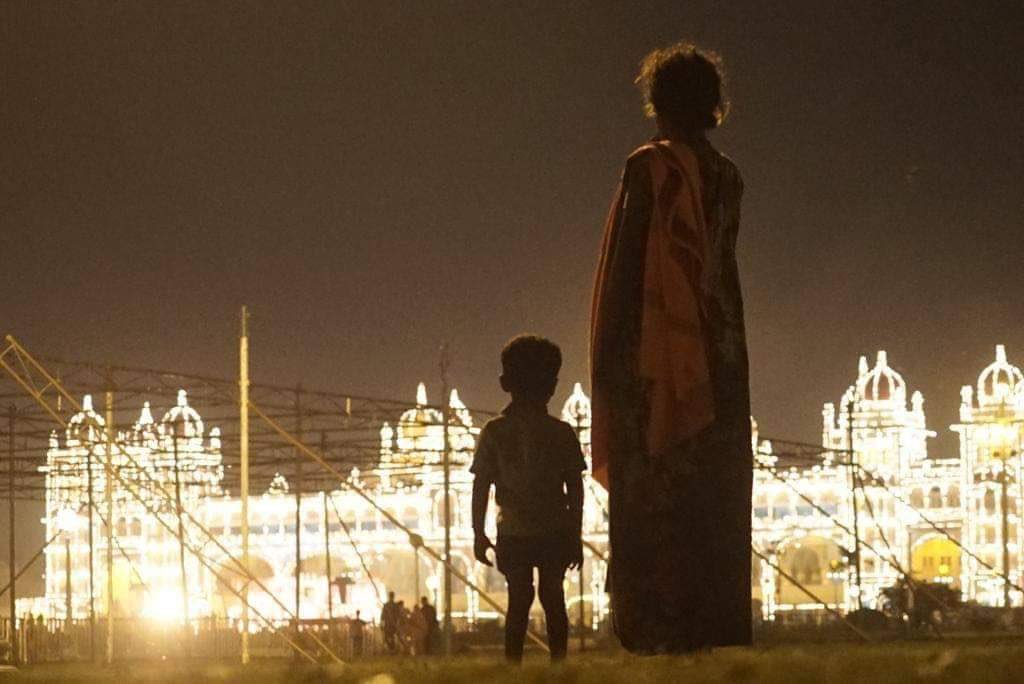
[(669, 375), (418, 631), (390, 615), (357, 627), (405, 629), (535, 464), (430, 617)]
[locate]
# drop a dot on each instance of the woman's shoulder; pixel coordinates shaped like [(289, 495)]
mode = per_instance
[(636, 173), (644, 153), (727, 168)]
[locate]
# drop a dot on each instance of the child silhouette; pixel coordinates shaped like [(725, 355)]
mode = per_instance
[(535, 463)]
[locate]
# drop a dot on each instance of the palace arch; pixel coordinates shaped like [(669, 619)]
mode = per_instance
[(809, 561), (936, 559)]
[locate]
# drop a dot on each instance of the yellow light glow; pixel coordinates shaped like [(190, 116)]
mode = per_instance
[(164, 606)]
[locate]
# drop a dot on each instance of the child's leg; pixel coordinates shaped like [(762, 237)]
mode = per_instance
[(552, 597), (520, 598)]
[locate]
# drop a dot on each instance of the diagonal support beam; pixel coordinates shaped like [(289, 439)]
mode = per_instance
[(29, 367)]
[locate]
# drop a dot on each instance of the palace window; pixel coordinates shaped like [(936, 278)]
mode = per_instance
[(953, 497)]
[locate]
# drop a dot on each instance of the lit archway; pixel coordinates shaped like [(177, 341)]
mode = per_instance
[(809, 562), (936, 559)]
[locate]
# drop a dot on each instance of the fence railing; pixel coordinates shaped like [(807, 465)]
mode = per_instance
[(56, 640)]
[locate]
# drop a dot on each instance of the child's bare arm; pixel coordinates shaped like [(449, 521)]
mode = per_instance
[(574, 491), (481, 494)]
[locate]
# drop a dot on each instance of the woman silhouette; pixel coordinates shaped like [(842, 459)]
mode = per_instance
[(671, 434)]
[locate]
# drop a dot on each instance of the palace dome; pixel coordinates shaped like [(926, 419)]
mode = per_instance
[(577, 407), (1000, 379), (414, 421), (881, 383), (145, 427), (85, 425), (419, 429), (182, 420)]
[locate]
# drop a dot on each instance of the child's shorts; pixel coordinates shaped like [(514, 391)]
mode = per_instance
[(553, 550)]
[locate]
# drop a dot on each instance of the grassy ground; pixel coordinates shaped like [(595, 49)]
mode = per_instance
[(905, 662)]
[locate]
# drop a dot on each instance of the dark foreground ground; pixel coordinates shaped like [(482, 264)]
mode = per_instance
[(905, 662)]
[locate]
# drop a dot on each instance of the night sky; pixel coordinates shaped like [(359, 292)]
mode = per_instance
[(373, 179)]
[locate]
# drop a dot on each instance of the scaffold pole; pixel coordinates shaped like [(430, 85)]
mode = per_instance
[(297, 483), (851, 407), (92, 559), (243, 454), (108, 495), (11, 413), (446, 465)]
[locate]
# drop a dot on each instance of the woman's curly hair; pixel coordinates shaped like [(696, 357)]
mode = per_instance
[(683, 85)]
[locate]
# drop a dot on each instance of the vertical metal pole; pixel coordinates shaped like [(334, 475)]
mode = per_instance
[(416, 573), (181, 533), (1005, 534), (446, 465), (243, 454), (856, 516), (327, 543), (108, 494), (92, 586), (327, 568), (582, 616), (67, 581), (297, 483), (11, 412)]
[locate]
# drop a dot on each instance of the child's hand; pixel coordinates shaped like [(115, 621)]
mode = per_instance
[(480, 545), (577, 558)]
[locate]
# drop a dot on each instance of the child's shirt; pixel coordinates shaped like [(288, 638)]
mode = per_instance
[(529, 455)]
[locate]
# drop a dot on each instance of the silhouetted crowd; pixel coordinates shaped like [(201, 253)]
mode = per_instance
[(410, 632)]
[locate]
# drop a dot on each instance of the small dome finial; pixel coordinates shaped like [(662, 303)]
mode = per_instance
[(146, 417), (87, 403), (454, 400), (862, 365), (1000, 353), (182, 398), (883, 359), (421, 395)]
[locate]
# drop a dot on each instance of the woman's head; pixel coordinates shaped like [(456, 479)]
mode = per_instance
[(682, 86)]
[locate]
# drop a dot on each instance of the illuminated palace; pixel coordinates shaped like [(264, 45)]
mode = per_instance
[(369, 555), (914, 513), (952, 519)]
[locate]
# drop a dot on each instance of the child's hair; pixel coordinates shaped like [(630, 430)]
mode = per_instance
[(683, 84), (530, 365)]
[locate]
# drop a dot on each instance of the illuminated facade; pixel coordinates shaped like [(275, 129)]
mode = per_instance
[(914, 512), (408, 482), (908, 507)]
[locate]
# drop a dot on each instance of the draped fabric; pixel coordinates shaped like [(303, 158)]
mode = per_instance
[(671, 421), (672, 354)]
